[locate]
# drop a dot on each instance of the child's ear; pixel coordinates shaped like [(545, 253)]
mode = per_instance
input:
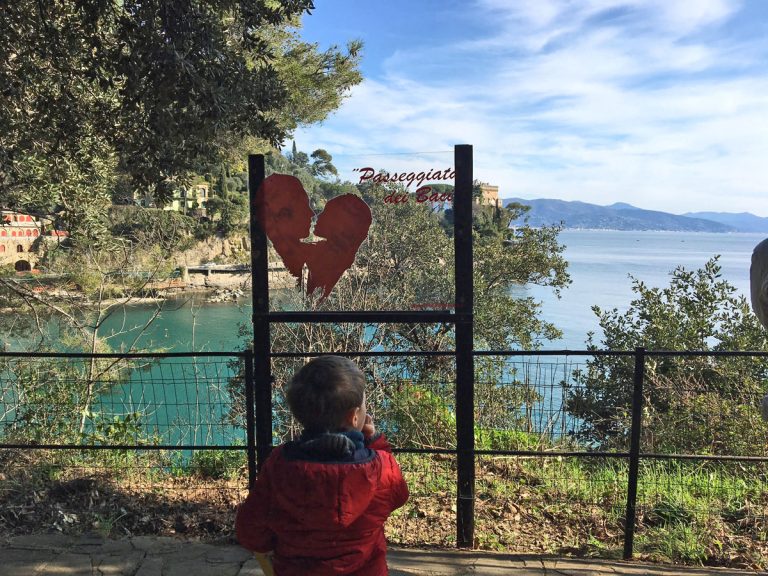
[(353, 417)]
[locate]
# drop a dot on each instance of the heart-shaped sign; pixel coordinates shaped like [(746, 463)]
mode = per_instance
[(282, 209)]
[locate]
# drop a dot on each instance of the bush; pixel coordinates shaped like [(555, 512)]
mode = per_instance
[(700, 404)]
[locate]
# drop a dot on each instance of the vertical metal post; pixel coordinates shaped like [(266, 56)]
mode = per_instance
[(634, 453), (250, 420), (260, 299), (465, 371)]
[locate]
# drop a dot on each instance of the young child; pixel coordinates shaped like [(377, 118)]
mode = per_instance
[(320, 502)]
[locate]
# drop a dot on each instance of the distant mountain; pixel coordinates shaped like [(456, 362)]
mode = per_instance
[(743, 221), (623, 206), (619, 216)]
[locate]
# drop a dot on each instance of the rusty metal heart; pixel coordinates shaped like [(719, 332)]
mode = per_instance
[(282, 209)]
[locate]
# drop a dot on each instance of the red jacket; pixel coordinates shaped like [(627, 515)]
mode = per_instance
[(320, 504)]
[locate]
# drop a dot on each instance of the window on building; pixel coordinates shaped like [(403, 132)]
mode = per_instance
[(2, 248), (19, 248)]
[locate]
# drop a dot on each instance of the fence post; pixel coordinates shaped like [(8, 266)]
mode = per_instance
[(260, 300), (250, 420), (465, 371), (634, 453)]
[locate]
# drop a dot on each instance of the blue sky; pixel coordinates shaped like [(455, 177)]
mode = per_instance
[(659, 103)]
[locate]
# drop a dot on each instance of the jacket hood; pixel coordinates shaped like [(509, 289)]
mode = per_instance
[(327, 471)]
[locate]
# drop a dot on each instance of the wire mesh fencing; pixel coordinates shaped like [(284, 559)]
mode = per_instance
[(121, 444)]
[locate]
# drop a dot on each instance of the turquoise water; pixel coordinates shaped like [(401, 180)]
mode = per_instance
[(183, 400), (600, 263), (184, 325)]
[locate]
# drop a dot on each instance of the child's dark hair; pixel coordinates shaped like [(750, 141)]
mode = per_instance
[(322, 393)]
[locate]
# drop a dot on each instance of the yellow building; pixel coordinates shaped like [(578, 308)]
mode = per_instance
[(190, 200), (489, 194)]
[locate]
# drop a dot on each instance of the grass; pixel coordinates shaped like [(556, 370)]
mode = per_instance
[(688, 512)]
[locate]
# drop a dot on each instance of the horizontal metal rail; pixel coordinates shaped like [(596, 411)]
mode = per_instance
[(375, 353), (123, 355), (447, 451), (372, 354), (242, 447), (386, 317)]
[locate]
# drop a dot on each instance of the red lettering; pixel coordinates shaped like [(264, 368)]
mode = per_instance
[(366, 173), (393, 198), (421, 193)]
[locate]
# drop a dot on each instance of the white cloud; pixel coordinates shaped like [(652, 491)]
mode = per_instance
[(684, 16), (627, 108)]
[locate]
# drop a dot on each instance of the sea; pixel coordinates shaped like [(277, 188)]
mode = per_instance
[(602, 264)]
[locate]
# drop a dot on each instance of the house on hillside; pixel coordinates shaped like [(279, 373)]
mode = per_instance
[(190, 201)]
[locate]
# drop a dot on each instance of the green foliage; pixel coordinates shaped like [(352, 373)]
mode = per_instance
[(676, 542), (108, 429), (500, 395), (313, 176), (322, 164), (41, 400), (229, 212), (50, 400), (105, 94), (165, 229), (405, 263), (420, 418), (276, 163), (694, 404), (315, 81), (493, 439), (217, 464)]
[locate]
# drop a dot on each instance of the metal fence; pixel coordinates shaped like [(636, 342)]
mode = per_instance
[(573, 451)]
